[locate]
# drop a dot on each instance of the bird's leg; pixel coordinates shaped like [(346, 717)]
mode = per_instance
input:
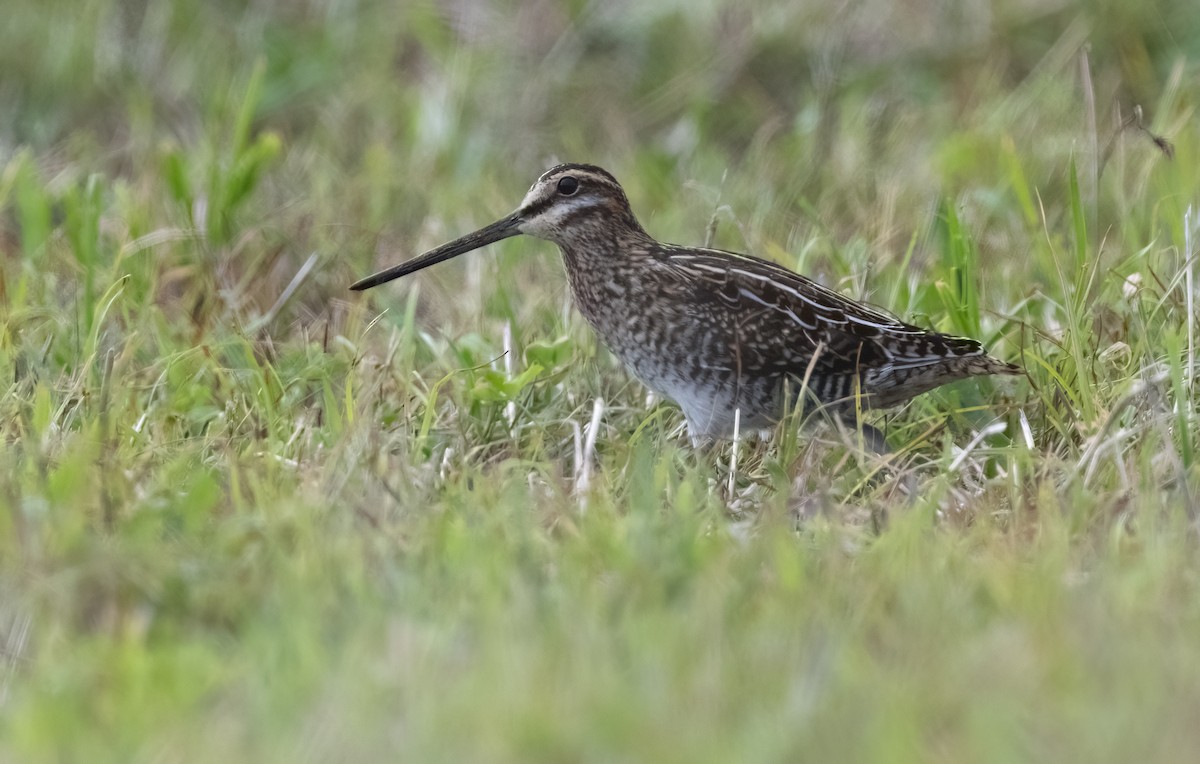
[(873, 440)]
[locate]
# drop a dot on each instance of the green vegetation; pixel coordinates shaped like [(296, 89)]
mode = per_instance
[(247, 515)]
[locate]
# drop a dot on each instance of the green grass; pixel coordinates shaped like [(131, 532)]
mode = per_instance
[(248, 515)]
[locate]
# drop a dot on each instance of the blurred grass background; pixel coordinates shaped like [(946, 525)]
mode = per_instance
[(250, 516)]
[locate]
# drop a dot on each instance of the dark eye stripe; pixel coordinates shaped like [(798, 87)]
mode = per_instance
[(538, 208)]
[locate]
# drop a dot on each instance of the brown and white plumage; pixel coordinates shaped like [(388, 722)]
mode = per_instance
[(717, 331)]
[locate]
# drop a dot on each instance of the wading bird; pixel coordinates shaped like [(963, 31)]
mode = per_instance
[(714, 331)]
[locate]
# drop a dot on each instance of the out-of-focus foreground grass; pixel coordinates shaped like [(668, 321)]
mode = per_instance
[(247, 515)]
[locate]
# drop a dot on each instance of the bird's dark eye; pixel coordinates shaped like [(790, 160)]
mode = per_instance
[(568, 185)]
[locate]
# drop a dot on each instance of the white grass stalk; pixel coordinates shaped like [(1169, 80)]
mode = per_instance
[(995, 428), (587, 456), (291, 289), (1026, 430), (510, 408), (733, 453)]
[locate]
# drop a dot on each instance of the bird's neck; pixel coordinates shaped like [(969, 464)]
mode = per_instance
[(602, 248), (604, 268)]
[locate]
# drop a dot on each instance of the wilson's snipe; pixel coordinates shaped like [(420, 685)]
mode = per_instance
[(717, 331)]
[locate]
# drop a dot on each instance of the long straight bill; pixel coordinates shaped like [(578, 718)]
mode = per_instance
[(501, 229)]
